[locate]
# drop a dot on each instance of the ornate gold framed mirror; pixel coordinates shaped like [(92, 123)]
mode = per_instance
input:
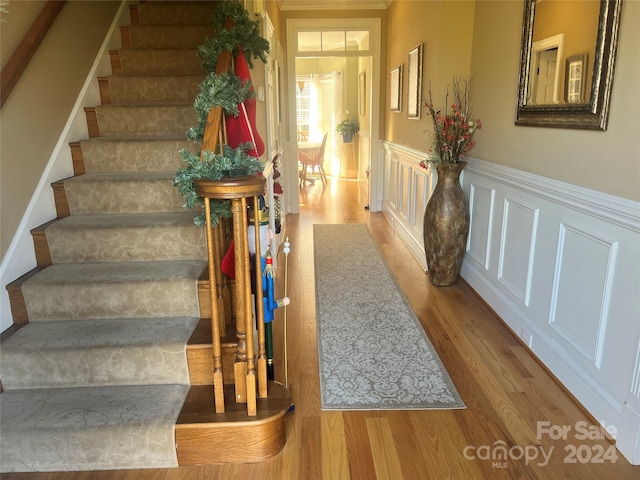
[(555, 89)]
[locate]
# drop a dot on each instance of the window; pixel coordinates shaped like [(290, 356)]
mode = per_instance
[(303, 106), (333, 41)]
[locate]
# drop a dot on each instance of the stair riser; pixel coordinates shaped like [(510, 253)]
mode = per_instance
[(158, 121), (140, 290), (94, 353), (151, 90), (100, 367), (227, 294), (90, 429), (127, 244), (204, 437), (200, 362), (156, 62), (21, 314), (164, 37), (172, 14), (231, 443), (134, 196), (110, 301), (108, 156)]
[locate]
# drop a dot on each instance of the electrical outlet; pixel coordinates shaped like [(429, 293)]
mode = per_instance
[(526, 337)]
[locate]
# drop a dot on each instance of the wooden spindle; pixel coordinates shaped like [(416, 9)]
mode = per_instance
[(218, 381)]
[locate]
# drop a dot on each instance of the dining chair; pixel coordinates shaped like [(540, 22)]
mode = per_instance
[(313, 158)]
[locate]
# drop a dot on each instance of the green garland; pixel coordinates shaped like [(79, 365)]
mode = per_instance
[(245, 33), (213, 166), (225, 91)]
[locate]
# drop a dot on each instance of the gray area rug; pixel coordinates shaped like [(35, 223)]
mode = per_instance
[(373, 352)]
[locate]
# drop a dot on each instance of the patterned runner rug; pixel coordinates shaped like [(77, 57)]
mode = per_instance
[(373, 352)]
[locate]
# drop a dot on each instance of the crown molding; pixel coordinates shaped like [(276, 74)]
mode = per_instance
[(334, 4)]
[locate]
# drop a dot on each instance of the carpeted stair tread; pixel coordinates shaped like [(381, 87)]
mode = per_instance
[(126, 238), (168, 36), (130, 192), (170, 61), (153, 89), (97, 352), (97, 428), (145, 120), (110, 154), (113, 290), (184, 13)]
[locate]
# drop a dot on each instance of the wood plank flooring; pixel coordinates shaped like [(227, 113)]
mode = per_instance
[(505, 389)]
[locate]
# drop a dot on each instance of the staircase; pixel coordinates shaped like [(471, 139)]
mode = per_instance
[(109, 363)]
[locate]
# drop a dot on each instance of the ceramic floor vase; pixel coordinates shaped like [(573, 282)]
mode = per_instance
[(446, 225)]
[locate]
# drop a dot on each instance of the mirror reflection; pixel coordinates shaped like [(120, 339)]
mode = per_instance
[(562, 51), (567, 63)]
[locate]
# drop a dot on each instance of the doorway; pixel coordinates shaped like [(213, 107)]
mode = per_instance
[(545, 74), (327, 92), (334, 64)]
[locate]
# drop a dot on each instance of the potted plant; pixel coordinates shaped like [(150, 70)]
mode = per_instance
[(348, 128)]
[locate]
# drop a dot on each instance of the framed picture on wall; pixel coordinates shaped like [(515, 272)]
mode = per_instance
[(575, 78), (395, 102), (414, 76)]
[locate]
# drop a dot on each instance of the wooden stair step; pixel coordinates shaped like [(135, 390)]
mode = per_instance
[(103, 155), (21, 317), (164, 36), (149, 89), (138, 121), (93, 238), (170, 61), (205, 437), (172, 13)]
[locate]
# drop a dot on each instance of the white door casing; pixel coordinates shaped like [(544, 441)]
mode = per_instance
[(373, 25)]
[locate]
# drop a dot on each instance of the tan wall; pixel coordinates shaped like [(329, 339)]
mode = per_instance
[(604, 161), (446, 31), (38, 108)]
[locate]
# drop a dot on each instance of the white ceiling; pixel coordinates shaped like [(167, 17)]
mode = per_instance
[(333, 4)]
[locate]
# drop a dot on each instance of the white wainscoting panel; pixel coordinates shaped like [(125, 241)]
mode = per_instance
[(405, 194), (407, 188), (558, 263), (581, 294), (517, 242), (481, 208)]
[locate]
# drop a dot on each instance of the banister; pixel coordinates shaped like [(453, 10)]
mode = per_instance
[(27, 48), (213, 129)]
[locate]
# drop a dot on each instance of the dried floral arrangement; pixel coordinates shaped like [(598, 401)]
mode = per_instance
[(453, 130)]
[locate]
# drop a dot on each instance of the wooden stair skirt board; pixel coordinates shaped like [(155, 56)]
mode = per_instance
[(205, 437)]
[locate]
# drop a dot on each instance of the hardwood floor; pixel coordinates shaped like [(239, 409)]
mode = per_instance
[(507, 392)]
